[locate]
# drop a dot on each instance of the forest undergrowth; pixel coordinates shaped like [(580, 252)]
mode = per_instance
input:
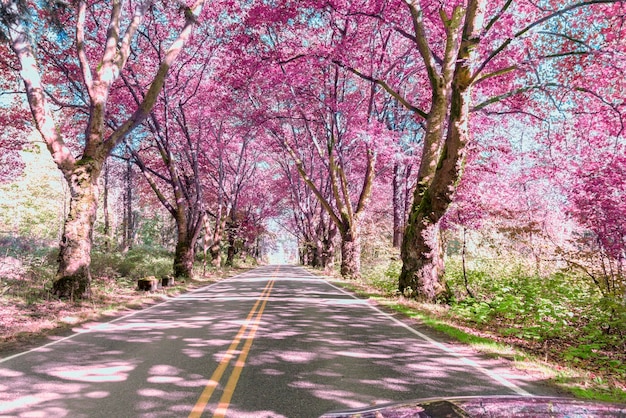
[(561, 323), (28, 311)]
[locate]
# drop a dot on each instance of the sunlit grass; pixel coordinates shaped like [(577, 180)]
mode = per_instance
[(441, 318)]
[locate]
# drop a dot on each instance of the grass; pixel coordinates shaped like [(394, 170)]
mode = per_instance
[(484, 332)]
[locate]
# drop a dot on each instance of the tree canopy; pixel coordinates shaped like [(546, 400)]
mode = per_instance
[(407, 121)]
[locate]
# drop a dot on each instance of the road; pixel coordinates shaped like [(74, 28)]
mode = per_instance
[(272, 342)]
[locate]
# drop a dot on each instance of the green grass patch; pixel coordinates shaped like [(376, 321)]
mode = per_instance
[(560, 326), (606, 395), (485, 345)]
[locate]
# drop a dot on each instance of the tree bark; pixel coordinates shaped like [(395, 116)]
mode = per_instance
[(73, 277), (230, 252), (216, 246), (216, 252), (128, 223), (184, 255), (328, 255), (422, 275), (105, 207), (351, 256), (231, 228), (398, 206), (315, 249), (189, 226), (328, 246)]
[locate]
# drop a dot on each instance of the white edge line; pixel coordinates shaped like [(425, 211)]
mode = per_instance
[(95, 328), (443, 347)]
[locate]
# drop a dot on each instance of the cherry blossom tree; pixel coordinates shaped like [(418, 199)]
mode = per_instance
[(101, 53), (311, 103), (236, 171), (309, 221), (345, 149), (598, 203), (174, 168), (468, 56), (12, 116)]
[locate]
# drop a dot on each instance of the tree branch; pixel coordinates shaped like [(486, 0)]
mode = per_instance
[(534, 24), (124, 50), (387, 88), (151, 96), (80, 48)]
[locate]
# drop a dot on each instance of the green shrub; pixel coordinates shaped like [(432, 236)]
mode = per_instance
[(561, 307), (134, 264)]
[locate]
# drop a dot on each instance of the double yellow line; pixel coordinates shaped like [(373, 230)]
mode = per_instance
[(250, 327)]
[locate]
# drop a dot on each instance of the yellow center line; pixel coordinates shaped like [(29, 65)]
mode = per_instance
[(229, 389), (206, 394)]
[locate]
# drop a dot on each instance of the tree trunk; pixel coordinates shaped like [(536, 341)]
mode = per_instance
[(231, 251), (205, 245), (422, 275), (316, 253), (422, 255), (216, 246), (216, 253), (184, 256), (188, 224), (351, 255), (105, 204), (304, 257), (328, 256), (398, 206), (328, 248), (127, 238), (73, 277)]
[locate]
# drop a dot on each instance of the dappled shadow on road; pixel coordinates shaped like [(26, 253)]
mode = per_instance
[(316, 349)]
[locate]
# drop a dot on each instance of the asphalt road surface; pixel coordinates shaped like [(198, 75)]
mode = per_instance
[(273, 342)]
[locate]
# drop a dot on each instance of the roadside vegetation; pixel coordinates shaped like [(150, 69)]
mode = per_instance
[(560, 325), (29, 310)]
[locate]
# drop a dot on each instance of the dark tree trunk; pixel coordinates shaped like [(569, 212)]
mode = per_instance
[(351, 256), (422, 255), (188, 224), (316, 253), (216, 253), (304, 257), (328, 248), (105, 204), (230, 253), (128, 223), (328, 256), (398, 206), (205, 246), (422, 275), (232, 238), (73, 277), (216, 246), (184, 257)]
